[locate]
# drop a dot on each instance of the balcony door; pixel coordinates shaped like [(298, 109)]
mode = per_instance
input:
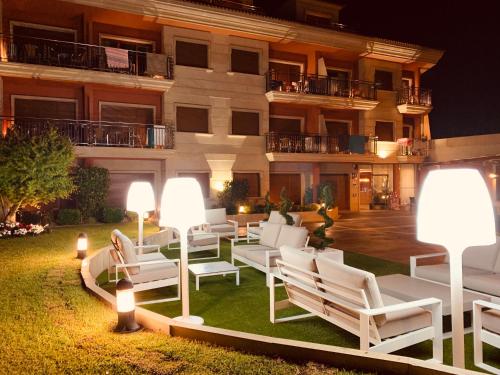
[(44, 108), (338, 131)]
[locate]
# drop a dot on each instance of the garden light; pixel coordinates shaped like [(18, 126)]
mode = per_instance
[(125, 307), (182, 207), (82, 246), (140, 199), (455, 211)]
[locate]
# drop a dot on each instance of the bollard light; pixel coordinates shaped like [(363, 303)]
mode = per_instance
[(125, 307), (82, 244)]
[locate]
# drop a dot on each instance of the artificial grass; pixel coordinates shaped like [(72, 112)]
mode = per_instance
[(246, 308), (50, 324)]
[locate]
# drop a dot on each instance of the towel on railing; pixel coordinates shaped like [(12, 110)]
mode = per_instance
[(357, 144), (116, 57), (156, 64)]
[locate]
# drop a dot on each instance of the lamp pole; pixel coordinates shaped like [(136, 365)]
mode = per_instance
[(457, 303), (141, 227), (184, 274)]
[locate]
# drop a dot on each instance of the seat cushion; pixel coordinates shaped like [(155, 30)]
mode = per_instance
[(257, 231), (259, 257), (403, 321), (222, 228), (216, 216), (276, 218), (441, 272), (491, 320), (151, 256), (127, 249), (349, 280), (292, 236), (154, 272), (481, 257), (488, 283), (202, 240), (242, 250), (270, 234)]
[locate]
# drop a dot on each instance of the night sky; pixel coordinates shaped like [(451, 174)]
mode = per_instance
[(466, 81)]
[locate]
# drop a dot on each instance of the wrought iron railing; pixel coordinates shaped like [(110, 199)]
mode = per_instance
[(319, 144), (413, 147), (320, 85), (97, 133), (229, 4), (41, 51), (414, 95)]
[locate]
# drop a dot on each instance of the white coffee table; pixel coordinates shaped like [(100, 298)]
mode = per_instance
[(213, 269)]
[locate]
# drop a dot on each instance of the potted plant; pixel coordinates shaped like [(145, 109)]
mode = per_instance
[(285, 205), (321, 240)]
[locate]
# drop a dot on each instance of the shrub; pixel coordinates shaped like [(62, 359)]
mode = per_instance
[(92, 189), (112, 215), (321, 240), (285, 206), (69, 216), (235, 192)]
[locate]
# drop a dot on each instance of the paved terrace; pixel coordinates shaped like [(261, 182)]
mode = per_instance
[(384, 234)]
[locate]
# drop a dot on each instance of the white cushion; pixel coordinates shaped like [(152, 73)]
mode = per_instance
[(297, 220), (481, 257), (255, 230), (491, 320), (270, 234), (216, 216), (127, 249), (301, 260), (441, 272), (292, 236), (154, 272), (496, 267), (489, 283), (260, 256), (276, 218), (222, 228)]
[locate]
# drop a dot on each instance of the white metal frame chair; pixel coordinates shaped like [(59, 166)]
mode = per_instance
[(349, 308), (138, 271), (217, 222), (481, 334), (196, 243)]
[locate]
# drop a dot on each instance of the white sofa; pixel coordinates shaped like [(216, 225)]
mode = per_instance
[(262, 255), (350, 299), (217, 222), (254, 228), (486, 324), (481, 269)]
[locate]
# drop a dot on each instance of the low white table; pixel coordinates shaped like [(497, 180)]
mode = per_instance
[(212, 269)]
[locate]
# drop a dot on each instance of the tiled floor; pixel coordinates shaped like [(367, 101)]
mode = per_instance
[(384, 234)]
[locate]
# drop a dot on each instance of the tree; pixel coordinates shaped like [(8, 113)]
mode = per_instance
[(235, 192), (92, 190), (285, 205), (34, 170)]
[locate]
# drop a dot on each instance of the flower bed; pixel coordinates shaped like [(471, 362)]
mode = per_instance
[(8, 230)]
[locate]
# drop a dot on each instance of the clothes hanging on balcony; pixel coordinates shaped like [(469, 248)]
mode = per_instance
[(357, 144), (117, 58), (156, 64)]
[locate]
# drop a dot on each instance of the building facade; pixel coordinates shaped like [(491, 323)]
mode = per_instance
[(220, 90)]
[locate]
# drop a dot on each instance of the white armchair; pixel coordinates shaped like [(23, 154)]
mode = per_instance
[(217, 222), (486, 324), (254, 228)]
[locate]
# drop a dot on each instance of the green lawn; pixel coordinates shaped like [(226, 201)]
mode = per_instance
[(245, 308), (50, 324)]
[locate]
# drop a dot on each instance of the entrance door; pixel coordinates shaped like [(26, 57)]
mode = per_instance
[(365, 188), (290, 181), (340, 187)]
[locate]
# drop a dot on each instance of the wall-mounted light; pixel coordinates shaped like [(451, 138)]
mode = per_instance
[(82, 244), (125, 307), (493, 176), (219, 185)]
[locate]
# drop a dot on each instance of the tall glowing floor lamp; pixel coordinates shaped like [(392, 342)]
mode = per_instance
[(455, 211), (140, 199), (182, 207)]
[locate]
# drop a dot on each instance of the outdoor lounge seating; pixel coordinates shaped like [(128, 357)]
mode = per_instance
[(262, 255), (481, 269), (254, 228), (350, 299), (199, 240), (146, 271), (217, 222), (486, 323)]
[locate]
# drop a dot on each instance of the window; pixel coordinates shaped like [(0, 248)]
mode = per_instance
[(126, 43), (117, 112), (318, 20), (383, 79), (245, 123), (192, 119), (203, 179), (285, 125), (339, 130), (291, 182), (384, 131), (42, 31), (51, 108), (408, 126), (244, 61), (285, 72), (191, 54), (253, 181)]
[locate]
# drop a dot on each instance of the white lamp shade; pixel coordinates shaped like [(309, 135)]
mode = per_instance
[(455, 210), (182, 204), (125, 301), (140, 197)]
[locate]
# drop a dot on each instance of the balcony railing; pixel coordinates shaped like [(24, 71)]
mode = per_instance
[(415, 96), (229, 4), (97, 133), (320, 85), (40, 51), (319, 144)]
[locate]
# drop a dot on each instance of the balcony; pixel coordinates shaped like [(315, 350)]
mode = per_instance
[(100, 64), (322, 91), (98, 133), (414, 100), (318, 148)]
